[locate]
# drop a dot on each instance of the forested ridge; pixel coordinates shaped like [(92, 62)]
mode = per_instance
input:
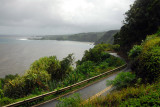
[(96, 37), (141, 20)]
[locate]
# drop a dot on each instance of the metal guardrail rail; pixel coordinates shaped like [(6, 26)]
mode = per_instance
[(63, 89)]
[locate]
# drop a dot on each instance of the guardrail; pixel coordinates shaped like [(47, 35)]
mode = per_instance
[(62, 89)]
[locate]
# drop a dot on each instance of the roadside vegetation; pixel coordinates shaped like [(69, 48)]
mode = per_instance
[(140, 87), (49, 74), (139, 40)]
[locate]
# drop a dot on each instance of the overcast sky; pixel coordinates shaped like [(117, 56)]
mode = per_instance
[(40, 17)]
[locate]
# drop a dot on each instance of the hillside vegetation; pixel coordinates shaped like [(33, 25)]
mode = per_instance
[(141, 20), (140, 87), (108, 37)]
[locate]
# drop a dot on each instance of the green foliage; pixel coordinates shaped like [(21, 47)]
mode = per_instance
[(49, 64), (72, 101), (86, 68), (135, 51), (95, 54), (148, 96), (149, 65), (141, 20), (0, 84), (114, 61), (147, 62), (116, 47), (152, 98), (123, 79), (6, 79), (1, 94), (15, 88), (5, 100), (66, 64), (103, 65)]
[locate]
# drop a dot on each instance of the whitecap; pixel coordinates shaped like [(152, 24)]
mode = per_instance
[(23, 39)]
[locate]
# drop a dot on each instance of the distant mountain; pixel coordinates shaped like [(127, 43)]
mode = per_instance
[(96, 37), (84, 37), (107, 37)]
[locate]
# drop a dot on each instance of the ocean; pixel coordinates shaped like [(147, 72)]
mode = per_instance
[(18, 53)]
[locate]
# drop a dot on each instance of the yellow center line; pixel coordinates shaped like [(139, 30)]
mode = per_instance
[(97, 95)]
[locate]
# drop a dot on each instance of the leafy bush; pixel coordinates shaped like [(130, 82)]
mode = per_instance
[(15, 88), (49, 64), (6, 79), (135, 51), (86, 68), (1, 94), (0, 84), (114, 61), (103, 65), (5, 100), (95, 54), (34, 79), (72, 101), (147, 63), (66, 65), (123, 79), (152, 98)]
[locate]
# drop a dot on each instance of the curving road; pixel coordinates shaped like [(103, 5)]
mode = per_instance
[(91, 90)]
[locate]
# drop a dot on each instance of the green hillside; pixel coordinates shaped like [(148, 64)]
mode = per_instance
[(141, 20), (107, 37), (96, 37), (84, 37)]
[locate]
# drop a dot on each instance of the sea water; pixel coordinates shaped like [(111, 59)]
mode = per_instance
[(18, 53)]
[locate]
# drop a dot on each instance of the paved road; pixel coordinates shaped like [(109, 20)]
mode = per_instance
[(91, 90)]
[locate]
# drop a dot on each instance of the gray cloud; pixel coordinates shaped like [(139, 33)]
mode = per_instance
[(61, 16)]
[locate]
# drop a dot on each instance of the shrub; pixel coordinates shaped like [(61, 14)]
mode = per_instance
[(135, 51), (150, 99), (5, 101), (86, 68), (34, 79), (15, 88), (114, 61), (123, 79), (7, 78), (72, 101), (0, 84), (147, 63), (95, 54), (103, 65), (49, 64), (148, 96), (1, 93), (66, 64)]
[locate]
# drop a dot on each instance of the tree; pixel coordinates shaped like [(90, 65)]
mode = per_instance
[(141, 20)]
